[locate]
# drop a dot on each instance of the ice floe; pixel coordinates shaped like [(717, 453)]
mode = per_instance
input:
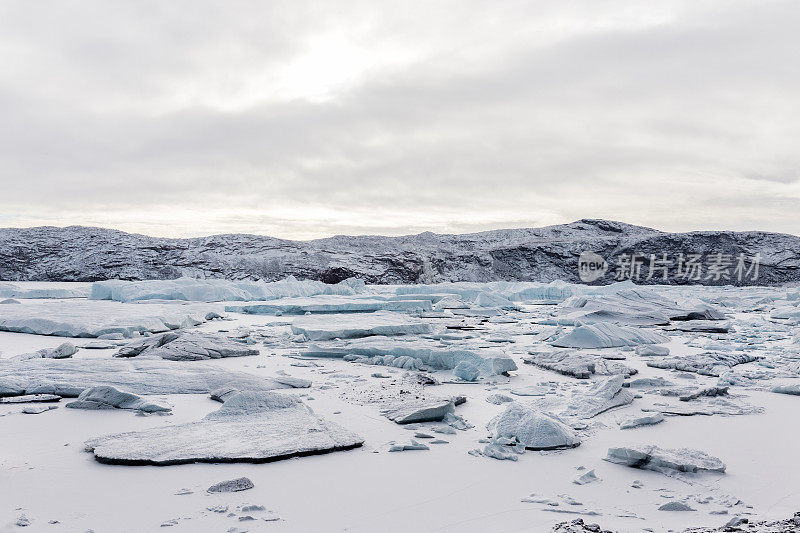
[(12, 290), (422, 410), (708, 364), (665, 460), (602, 395), (606, 335), (217, 290), (82, 318), (329, 304), (533, 429), (249, 427), (635, 421), (186, 345), (401, 353), (70, 377), (106, 397), (578, 364), (346, 326)]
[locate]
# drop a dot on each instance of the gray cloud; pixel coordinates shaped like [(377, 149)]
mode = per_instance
[(306, 119)]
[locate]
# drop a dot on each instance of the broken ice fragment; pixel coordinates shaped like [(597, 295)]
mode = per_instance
[(232, 485), (665, 460), (533, 429)]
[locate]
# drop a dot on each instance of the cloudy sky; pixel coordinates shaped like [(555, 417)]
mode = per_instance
[(306, 119)]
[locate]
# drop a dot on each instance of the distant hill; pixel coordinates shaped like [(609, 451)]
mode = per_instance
[(545, 254)]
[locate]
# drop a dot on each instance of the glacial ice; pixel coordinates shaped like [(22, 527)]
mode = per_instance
[(649, 350), (606, 335), (30, 398), (414, 445), (329, 304), (601, 396), (577, 364), (492, 299), (422, 410), (701, 326), (186, 345), (675, 506), (83, 318), (106, 397), (62, 351), (665, 460), (218, 290), (12, 290), (346, 326), (707, 364), (231, 485), (466, 371), (793, 389), (636, 306), (252, 427), (425, 352), (70, 377), (636, 421), (590, 476), (514, 291), (534, 429)]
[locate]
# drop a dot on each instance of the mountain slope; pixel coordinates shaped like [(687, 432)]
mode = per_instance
[(79, 253)]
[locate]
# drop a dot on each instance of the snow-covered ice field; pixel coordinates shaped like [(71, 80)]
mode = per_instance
[(542, 367)]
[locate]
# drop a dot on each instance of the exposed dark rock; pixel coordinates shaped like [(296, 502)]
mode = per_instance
[(543, 254)]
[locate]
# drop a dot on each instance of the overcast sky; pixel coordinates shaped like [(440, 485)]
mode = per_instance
[(306, 119)]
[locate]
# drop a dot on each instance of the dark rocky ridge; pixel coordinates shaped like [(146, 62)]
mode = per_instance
[(79, 253)]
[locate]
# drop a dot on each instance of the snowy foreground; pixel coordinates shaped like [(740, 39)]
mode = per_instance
[(212, 405)]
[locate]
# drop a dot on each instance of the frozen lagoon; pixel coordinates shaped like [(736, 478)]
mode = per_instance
[(453, 485)]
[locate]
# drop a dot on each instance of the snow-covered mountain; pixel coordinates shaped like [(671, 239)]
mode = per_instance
[(545, 254)]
